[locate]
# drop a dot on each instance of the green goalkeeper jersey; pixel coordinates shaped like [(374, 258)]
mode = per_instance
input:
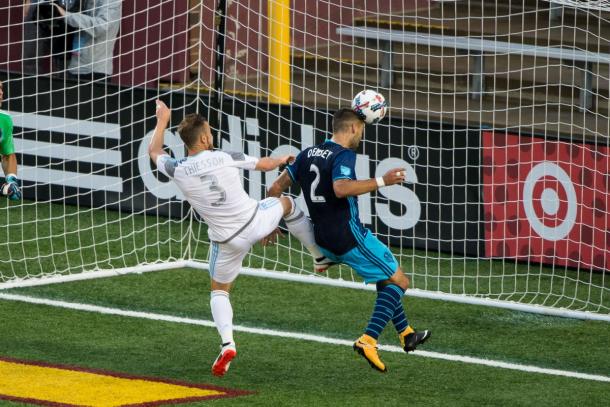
[(6, 134)]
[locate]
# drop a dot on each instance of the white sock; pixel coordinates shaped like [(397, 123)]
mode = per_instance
[(300, 226), (222, 313)]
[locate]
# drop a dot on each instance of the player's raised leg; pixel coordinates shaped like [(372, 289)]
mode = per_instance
[(300, 226)]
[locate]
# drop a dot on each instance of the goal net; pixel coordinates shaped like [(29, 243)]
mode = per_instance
[(498, 113)]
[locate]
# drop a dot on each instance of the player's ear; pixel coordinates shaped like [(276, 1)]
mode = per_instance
[(207, 134)]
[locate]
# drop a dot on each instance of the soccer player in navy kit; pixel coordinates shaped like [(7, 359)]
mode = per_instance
[(326, 174)]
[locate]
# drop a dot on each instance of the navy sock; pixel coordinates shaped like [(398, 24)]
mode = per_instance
[(400, 319), (387, 301)]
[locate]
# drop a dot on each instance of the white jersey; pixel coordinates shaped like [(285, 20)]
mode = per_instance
[(211, 183)]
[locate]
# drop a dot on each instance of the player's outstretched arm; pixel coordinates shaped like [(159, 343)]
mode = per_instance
[(155, 148), (348, 187), (271, 163), (282, 183)]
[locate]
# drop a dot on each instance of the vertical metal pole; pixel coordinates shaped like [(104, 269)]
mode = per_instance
[(556, 11), (387, 64), (279, 51), (586, 91), (477, 84)]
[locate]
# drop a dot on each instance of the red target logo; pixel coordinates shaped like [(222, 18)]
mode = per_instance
[(546, 201), (549, 201)]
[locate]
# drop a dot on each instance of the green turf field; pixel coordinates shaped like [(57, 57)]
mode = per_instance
[(298, 372), (43, 238), (284, 371)]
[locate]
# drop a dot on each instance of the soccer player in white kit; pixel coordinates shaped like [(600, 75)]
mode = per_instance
[(211, 183)]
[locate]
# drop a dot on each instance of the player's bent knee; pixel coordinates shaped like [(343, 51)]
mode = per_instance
[(407, 283), (287, 204), (403, 283), (399, 278), (216, 286)]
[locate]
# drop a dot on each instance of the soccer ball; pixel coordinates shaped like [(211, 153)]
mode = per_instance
[(370, 106)]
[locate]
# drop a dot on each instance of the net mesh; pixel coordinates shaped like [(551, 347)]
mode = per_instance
[(499, 113)]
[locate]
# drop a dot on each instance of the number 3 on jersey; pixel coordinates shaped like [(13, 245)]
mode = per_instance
[(215, 189), (312, 192)]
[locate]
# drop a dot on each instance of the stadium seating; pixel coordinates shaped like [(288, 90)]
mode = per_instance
[(515, 90)]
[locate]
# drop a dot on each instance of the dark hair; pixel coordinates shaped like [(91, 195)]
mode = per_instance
[(190, 128), (344, 118)]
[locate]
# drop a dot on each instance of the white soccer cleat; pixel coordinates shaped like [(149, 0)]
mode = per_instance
[(223, 361)]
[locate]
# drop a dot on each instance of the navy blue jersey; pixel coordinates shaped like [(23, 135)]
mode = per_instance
[(336, 220)]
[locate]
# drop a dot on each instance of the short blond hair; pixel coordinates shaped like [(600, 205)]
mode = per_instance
[(190, 128)]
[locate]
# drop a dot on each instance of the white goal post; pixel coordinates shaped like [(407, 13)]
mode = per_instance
[(498, 112)]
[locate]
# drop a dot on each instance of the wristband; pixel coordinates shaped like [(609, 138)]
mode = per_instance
[(380, 182)]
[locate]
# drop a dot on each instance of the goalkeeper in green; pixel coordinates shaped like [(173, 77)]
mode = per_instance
[(10, 187)]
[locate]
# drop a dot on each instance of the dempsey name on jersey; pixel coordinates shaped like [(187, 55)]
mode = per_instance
[(318, 152)]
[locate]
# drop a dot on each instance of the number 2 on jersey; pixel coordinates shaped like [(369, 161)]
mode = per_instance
[(312, 192)]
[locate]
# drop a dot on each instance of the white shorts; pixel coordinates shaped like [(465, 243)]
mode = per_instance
[(226, 258)]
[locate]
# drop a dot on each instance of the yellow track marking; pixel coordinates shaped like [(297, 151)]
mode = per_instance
[(72, 386)]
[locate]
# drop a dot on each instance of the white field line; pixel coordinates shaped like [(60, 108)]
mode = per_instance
[(298, 336)]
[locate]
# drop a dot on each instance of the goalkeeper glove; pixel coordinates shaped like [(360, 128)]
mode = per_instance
[(10, 188)]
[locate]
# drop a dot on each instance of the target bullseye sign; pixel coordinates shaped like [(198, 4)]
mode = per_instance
[(555, 184), (546, 201)]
